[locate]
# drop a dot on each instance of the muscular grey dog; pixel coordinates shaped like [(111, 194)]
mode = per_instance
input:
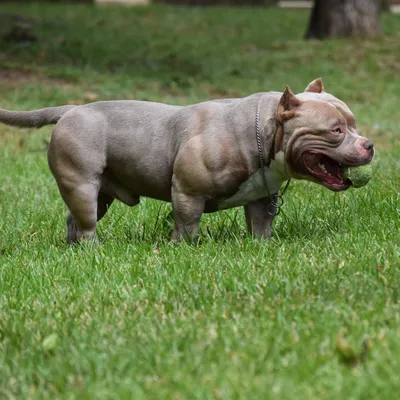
[(201, 158)]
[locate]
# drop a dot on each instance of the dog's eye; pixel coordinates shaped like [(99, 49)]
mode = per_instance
[(337, 131)]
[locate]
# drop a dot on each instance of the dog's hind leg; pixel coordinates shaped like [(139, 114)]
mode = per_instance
[(77, 162), (74, 232), (82, 203)]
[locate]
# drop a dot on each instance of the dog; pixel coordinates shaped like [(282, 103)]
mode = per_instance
[(202, 158)]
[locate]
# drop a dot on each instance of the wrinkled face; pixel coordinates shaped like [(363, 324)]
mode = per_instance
[(323, 139)]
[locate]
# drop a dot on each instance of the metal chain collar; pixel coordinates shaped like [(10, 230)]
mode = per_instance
[(276, 199)]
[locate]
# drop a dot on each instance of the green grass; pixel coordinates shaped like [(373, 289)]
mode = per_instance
[(229, 317)]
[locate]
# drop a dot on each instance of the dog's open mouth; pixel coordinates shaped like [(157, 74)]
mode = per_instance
[(326, 170)]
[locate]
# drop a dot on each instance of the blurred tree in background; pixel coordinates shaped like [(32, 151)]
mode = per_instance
[(220, 2), (345, 18)]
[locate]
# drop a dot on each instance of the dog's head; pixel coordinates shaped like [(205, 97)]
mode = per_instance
[(320, 137)]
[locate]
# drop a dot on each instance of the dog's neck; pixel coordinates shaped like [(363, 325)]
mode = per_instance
[(278, 141), (254, 189), (269, 150), (275, 167), (279, 166)]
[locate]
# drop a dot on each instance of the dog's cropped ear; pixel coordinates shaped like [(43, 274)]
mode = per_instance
[(316, 86), (288, 105)]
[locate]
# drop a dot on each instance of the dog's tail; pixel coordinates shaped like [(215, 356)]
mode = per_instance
[(34, 119)]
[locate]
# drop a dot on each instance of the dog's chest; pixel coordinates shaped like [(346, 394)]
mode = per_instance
[(254, 189)]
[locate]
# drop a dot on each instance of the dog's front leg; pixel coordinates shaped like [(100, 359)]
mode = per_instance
[(258, 217), (187, 213)]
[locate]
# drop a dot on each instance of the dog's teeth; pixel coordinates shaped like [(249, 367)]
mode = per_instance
[(323, 168)]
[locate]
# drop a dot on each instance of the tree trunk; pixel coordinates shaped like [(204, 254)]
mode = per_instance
[(344, 18), (386, 5)]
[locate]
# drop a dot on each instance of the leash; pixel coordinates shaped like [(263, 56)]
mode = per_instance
[(277, 201)]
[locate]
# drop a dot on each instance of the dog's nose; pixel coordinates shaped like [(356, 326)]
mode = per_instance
[(368, 145)]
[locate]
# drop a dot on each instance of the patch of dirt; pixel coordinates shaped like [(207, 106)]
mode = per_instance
[(13, 78)]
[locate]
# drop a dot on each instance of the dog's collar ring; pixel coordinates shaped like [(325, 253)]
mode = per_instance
[(276, 199)]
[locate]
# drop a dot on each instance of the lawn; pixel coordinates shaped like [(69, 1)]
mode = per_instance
[(230, 317)]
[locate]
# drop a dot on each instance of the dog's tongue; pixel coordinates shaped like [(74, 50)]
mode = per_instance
[(358, 176)]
